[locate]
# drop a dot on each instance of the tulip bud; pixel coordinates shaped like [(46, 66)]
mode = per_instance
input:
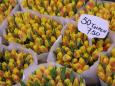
[(59, 56), (77, 54), (113, 52), (81, 61), (113, 83), (76, 82), (15, 71), (66, 58), (79, 4), (102, 76), (15, 78), (53, 39), (59, 84), (100, 68), (109, 80)]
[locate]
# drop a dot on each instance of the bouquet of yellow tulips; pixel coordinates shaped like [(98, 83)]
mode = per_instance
[(12, 65), (6, 6), (74, 50), (53, 75), (33, 32), (105, 10), (106, 68), (64, 8)]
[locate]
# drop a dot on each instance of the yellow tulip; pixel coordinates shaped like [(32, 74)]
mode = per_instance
[(42, 68), (102, 76), (112, 61), (74, 60), (43, 49), (81, 61), (59, 56), (26, 66), (86, 67), (59, 84), (108, 70), (58, 78), (41, 31), (4, 65), (44, 37), (86, 43), (58, 33), (7, 74), (67, 82), (82, 48), (66, 57), (86, 55), (46, 72), (36, 47), (109, 79), (76, 82), (15, 78), (52, 82), (58, 50), (8, 82), (113, 52), (79, 71), (100, 68), (48, 33), (69, 53), (11, 65), (113, 83), (53, 39), (79, 4), (77, 54), (71, 43)]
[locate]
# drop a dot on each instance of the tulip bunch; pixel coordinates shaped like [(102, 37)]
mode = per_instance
[(106, 68), (75, 52), (104, 10), (33, 32), (54, 76), (64, 8), (103, 44), (12, 65), (6, 7)]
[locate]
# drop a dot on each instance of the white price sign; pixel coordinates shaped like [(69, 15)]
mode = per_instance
[(93, 26)]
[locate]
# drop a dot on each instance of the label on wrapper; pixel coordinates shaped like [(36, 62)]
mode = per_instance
[(93, 26)]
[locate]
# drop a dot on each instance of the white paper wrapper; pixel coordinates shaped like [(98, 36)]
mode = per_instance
[(5, 20), (102, 83), (51, 56), (90, 74), (2, 47), (19, 47), (34, 67), (108, 54), (58, 17), (112, 35), (62, 20), (40, 56)]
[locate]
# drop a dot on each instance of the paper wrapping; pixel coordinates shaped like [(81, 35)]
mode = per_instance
[(34, 67), (108, 54), (5, 20), (2, 47), (58, 17), (5, 24), (90, 74)]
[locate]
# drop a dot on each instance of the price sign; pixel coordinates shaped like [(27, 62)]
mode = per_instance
[(93, 26)]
